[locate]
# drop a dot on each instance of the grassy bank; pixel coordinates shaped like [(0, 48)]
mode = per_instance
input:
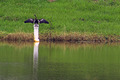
[(66, 37), (100, 17)]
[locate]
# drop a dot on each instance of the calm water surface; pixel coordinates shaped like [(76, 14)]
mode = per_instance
[(50, 61)]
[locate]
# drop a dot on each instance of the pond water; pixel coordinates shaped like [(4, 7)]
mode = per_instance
[(59, 61)]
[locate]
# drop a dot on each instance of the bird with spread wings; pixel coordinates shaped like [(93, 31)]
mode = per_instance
[(36, 21)]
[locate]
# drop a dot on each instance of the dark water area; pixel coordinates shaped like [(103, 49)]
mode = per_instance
[(59, 61)]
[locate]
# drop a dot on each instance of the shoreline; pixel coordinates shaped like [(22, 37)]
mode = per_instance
[(70, 37)]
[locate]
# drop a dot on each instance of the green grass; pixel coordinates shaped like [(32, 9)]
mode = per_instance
[(82, 16)]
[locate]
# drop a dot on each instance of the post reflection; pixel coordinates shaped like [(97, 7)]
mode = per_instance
[(35, 60)]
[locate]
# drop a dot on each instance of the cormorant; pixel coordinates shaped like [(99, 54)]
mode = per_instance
[(36, 21)]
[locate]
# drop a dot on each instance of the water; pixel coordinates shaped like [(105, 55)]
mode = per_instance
[(63, 61)]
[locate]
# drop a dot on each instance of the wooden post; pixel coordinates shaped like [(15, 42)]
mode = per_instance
[(36, 32)]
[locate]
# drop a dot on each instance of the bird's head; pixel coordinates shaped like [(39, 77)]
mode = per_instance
[(35, 16)]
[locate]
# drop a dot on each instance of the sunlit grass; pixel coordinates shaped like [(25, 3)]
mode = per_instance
[(83, 16)]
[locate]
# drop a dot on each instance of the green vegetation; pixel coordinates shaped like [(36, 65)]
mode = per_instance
[(66, 16)]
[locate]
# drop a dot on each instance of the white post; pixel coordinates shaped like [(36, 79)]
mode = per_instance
[(36, 32)]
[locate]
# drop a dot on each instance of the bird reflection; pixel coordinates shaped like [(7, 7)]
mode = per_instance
[(35, 60)]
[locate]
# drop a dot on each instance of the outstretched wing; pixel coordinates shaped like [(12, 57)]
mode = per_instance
[(29, 21), (43, 21)]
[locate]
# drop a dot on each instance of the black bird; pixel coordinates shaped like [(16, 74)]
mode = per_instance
[(36, 21)]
